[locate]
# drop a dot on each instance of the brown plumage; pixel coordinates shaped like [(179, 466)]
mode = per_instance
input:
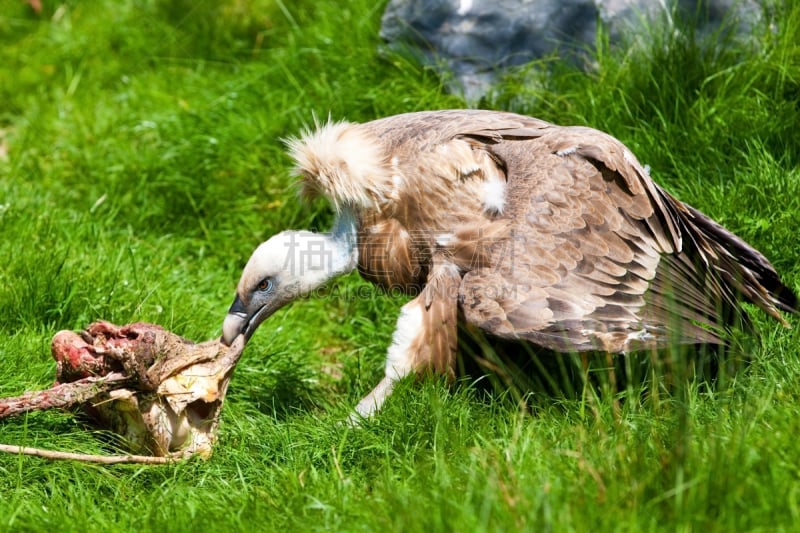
[(528, 230)]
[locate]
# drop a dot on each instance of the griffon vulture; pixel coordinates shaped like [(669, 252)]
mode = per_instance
[(531, 231)]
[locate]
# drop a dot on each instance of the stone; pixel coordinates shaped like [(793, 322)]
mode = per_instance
[(471, 42)]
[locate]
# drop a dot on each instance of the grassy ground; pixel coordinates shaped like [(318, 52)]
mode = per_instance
[(141, 162)]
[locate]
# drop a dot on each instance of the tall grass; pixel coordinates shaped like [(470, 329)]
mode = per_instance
[(142, 161)]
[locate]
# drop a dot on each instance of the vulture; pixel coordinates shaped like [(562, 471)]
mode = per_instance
[(538, 233)]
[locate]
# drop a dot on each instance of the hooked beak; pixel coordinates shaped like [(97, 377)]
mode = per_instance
[(235, 323), (239, 322)]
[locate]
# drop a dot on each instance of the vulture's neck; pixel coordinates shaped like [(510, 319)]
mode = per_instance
[(342, 243), (315, 258)]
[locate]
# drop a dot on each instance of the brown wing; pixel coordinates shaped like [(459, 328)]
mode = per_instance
[(596, 258)]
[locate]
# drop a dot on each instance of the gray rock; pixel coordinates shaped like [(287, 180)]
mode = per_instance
[(472, 41)]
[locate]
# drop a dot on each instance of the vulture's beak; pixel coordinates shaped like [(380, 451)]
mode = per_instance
[(241, 321), (235, 323)]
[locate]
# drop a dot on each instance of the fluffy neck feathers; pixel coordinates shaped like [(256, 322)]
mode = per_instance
[(344, 163)]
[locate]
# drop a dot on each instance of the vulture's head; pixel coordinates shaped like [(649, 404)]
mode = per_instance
[(288, 266)]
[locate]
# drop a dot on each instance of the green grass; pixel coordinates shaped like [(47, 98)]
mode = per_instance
[(143, 163)]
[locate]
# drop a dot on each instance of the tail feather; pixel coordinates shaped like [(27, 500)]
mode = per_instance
[(740, 265)]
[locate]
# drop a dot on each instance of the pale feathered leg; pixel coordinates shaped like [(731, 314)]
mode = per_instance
[(425, 337), (372, 402)]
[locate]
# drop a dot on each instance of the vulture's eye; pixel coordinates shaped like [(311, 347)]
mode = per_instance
[(265, 285)]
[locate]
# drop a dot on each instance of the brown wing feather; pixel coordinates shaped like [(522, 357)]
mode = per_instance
[(435, 345), (597, 259)]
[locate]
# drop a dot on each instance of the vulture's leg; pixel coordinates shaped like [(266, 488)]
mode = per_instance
[(425, 337)]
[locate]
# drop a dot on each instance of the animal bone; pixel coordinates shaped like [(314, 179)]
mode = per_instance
[(162, 393)]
